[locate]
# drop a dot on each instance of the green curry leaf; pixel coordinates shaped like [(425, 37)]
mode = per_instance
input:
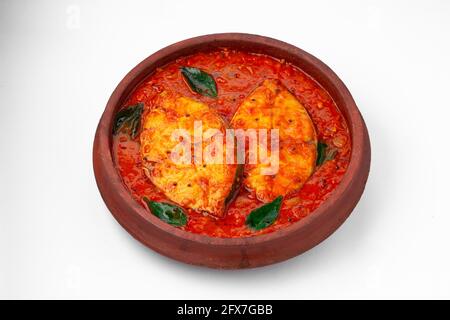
[(167, 212), (265, 215), (200, 81), (129, 118), (236, 184), (324, 153)]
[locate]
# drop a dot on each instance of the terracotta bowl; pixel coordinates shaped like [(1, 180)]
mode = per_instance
[(241, 252)]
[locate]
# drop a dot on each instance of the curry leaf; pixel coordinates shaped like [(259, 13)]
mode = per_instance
[(129, 118), (200, 81), (167, 212), (236, 184), (324, 153), (265, 215)]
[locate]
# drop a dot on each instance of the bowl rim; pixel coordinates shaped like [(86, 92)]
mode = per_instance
[(103, 147)]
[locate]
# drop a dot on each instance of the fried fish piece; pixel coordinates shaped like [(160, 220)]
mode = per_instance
[(204, 187), (272, 106)]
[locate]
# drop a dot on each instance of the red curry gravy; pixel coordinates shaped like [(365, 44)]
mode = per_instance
[(237, 74)]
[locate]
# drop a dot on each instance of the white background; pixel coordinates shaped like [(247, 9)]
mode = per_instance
[(60, 61)]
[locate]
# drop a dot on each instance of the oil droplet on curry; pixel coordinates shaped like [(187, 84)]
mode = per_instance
[(228, 89)]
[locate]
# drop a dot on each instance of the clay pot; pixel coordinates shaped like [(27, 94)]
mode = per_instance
[(241, 252)]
